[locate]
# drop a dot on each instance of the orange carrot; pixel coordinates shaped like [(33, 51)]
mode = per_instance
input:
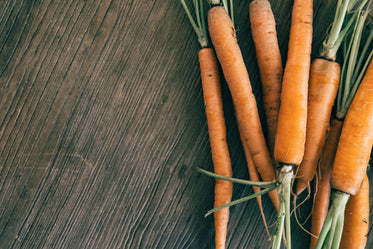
[(322, 90), (292, 119), (359, 115), (356, 223), (215, 121), (351, 159), (322, 189), (263, 29), (323, 87), (218, 141), (356, 140), (224, 39)]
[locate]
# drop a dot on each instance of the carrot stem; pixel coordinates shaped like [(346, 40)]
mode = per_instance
[(199, 26), (332, 230), (273, 185), (331, 45), (327, 224), (233, 203), (358, 76), (287, 209), (352, 71), (284, 191), (338, 232), (276, 238), (333, 224)]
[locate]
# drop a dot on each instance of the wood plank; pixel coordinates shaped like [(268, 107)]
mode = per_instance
[(102, 125)]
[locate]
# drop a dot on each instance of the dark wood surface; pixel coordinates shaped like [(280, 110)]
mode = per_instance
[(102, 126)]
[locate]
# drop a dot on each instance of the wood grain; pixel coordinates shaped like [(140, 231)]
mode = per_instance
[(102, 125)]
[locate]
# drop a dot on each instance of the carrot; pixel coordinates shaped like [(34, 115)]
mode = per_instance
[(224, 39), (292, 119), (218, 141), (263, 29), (323, 87), (355, 106), (351, 159), (354, 98), (322, 192), (356, 223), (356, 140), (216, 125)]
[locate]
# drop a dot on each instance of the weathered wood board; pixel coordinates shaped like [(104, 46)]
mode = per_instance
[(102, 126)]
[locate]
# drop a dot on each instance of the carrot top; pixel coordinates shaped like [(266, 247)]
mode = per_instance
[(356, 58), (198, 23), (339, 29)]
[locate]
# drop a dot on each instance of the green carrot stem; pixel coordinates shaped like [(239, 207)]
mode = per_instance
[(276, 238), (338, 232), (284, 191), (273, 185), (344, 32), (330, 45), (360, 70), (199, 26), (203, 20), (354, 58), (324, 236), (287, 185), (239, 201), (330, 240), (333, 225)]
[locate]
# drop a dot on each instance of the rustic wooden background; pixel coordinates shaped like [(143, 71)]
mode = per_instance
[(102, 126)]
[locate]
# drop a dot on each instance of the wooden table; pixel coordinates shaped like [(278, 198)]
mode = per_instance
[(102, 126)]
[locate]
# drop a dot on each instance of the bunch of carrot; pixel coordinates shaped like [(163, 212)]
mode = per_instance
[(347, 148), (298, 104), (259, 161)]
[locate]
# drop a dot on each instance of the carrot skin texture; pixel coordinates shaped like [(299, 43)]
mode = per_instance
[(224, 39), (356, 139), (323, 189), (292, 119), (263, 29), (217, 135), (322, 90), (356, 223)]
